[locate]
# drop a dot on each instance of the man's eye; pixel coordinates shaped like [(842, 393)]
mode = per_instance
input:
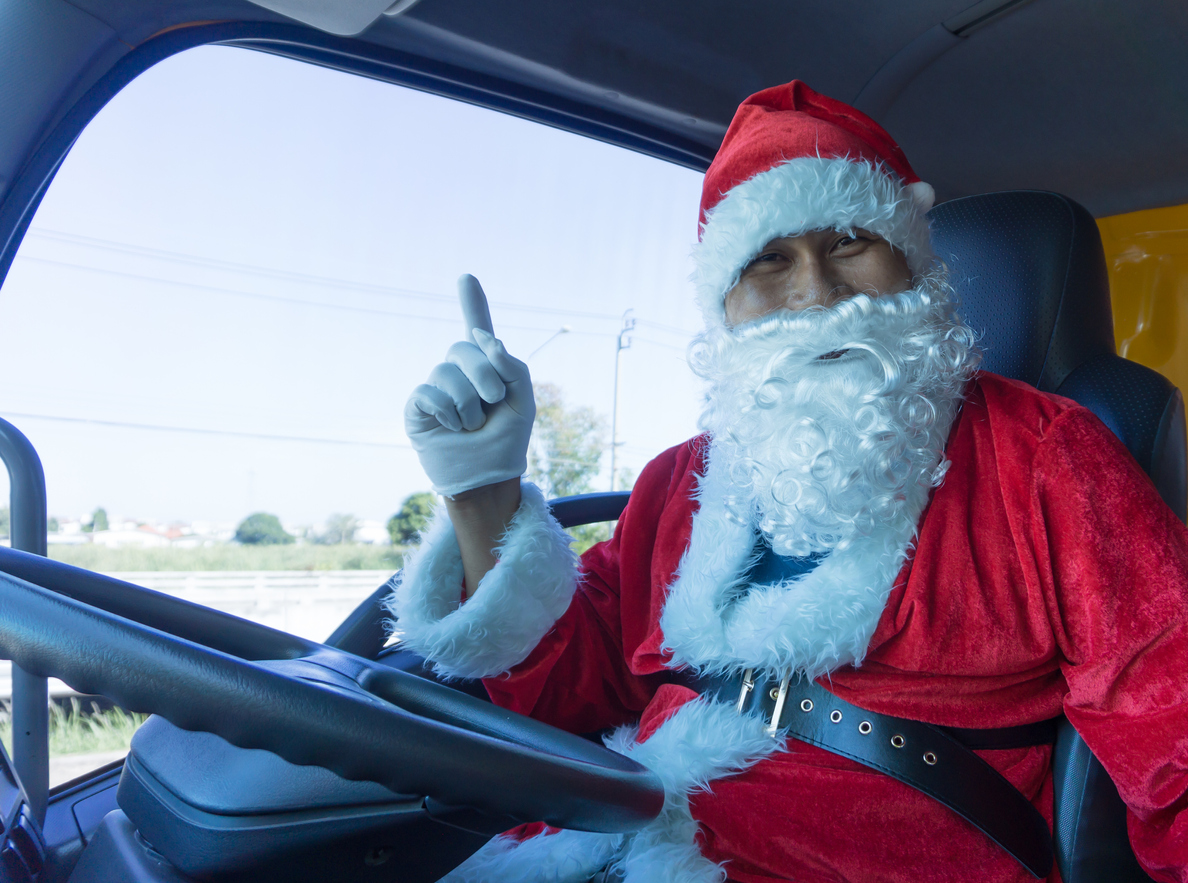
[(765, 258), (850, 244)]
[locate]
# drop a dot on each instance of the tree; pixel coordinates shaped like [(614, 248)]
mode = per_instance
[(567, 444), (340, 529), (415, 513), (565, 454), (262, 529), (4, 522), (98, 521)]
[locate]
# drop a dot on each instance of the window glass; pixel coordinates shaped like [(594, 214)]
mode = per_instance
[(245, 265)]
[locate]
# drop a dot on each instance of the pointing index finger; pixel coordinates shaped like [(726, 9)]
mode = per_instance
[(475, 311)]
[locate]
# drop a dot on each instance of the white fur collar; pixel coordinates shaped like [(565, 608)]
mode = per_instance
[(813, 624)]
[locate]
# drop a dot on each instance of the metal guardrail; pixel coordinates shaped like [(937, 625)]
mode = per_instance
[(28, 529)]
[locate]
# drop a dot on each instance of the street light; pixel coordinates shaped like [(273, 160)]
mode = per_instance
[(564, 329), (621, 344)]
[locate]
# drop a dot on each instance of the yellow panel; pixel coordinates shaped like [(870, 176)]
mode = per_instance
[(1147, 255)]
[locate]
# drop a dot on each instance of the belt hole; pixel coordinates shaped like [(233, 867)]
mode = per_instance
[(805, 704), (774, 693), (864, 728), (897, 741), (835, 716), (930, 758)]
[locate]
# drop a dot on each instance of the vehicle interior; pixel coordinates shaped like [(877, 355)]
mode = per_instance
[(1052, 133)]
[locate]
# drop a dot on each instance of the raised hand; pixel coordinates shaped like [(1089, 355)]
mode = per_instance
[(471, 422)]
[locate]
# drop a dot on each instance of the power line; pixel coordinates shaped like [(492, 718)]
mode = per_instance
[(194, 430), (671, 329), (294, 276), (276, 298), (668, 346)]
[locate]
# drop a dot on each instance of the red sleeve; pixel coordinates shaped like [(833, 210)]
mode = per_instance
[(1118, 561), (580, 676)]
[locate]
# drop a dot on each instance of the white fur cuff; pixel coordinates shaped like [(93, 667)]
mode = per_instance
[(515, 605)]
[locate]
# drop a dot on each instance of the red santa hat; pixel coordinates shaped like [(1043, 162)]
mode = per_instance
[(794, 161)]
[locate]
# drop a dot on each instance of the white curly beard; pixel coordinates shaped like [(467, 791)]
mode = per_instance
[(825, 417)]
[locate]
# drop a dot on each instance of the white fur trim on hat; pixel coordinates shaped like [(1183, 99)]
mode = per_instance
[(515, 605), (803, 194), (702, 741)]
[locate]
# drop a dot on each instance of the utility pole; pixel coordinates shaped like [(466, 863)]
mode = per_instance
[(623, 343)]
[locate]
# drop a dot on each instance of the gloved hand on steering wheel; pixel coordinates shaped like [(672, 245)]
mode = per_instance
[(470, 424)]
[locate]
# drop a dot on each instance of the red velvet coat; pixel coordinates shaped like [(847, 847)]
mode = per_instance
[(1048, 578)]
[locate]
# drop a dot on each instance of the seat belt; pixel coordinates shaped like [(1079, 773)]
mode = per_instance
[(937, 761)]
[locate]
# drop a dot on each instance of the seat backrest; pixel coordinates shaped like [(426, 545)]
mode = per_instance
[(1030, 275)]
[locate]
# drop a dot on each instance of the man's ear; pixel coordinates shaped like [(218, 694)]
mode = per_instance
[(922, 195)]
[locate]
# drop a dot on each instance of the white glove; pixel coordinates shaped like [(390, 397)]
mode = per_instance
[(471, 422)]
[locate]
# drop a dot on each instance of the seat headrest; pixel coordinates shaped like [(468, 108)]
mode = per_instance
[(1030, 274)]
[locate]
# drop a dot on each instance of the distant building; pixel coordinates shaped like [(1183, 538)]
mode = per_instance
[(372, 532), (69, 533), (141, 537)]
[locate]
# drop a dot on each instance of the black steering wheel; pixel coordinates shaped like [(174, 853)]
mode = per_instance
[(310, 704)]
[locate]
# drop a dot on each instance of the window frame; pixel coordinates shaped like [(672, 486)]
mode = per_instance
[(343, 54)]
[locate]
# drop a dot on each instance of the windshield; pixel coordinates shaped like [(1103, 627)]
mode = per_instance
[(246, 264)]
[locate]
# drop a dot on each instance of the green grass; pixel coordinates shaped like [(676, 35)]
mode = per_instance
[(74, 731), (231, 556)]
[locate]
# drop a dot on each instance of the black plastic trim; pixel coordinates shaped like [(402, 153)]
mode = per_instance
[(30, 693), (589, 508), (363, 632)]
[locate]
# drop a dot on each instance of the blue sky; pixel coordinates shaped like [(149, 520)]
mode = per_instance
[(267, 251)]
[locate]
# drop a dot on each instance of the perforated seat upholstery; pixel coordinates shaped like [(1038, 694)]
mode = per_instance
[(1030, 274)]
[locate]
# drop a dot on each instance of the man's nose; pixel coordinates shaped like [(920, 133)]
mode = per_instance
[(815, 285)]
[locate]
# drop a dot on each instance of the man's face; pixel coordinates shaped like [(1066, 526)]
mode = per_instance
[(820, 268)]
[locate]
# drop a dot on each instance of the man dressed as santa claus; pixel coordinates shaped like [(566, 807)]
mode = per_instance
[(868, 534)]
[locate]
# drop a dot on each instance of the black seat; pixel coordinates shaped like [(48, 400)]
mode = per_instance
[(1030, 274)]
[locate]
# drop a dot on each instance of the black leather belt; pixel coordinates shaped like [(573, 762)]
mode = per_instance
[(937, 761)]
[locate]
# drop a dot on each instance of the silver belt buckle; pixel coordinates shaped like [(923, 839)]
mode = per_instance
[(748, 685), (780, 698)]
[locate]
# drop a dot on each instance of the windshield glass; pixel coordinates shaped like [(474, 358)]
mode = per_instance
[(246, 264)]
